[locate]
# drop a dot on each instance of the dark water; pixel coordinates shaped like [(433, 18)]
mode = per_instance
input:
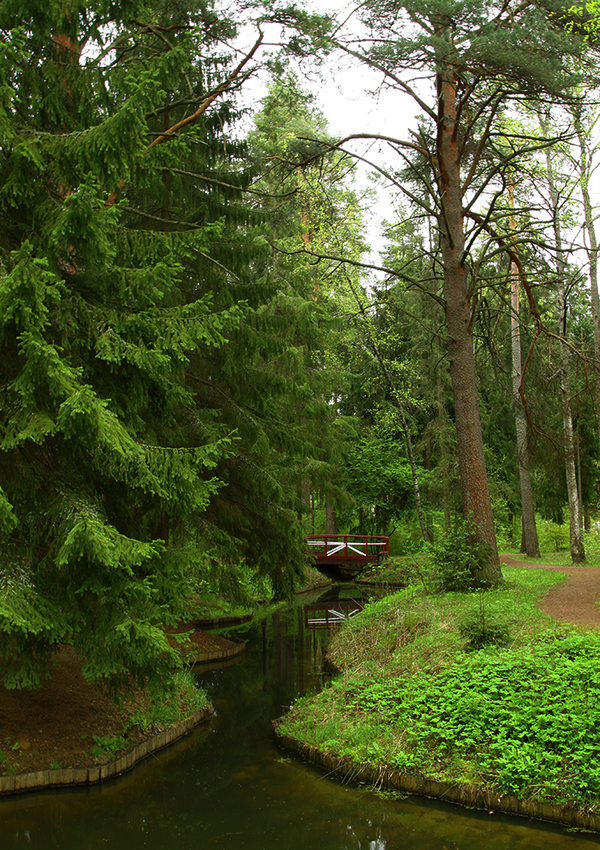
[(229, 786)]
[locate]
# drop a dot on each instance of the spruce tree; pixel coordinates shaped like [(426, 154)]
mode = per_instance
[(126, 265), (306, 194)]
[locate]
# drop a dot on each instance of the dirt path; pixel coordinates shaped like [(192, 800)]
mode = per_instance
[(574, 600)]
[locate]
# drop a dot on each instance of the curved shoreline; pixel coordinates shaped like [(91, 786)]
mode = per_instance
[(220, 654), (15, 783), (468, 796), (221, 622)]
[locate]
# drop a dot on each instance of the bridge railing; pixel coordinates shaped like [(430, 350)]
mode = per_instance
[(349, 547)]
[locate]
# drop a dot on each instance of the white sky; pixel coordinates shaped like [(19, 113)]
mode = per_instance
[(348, 95)]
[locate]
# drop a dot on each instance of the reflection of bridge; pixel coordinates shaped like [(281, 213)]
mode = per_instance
[(325, 615), (350, 552)]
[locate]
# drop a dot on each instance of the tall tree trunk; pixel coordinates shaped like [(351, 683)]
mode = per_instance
[(330, 519), (529, 539), (575, 531), (441, 414), (585, 171), (477, 505)]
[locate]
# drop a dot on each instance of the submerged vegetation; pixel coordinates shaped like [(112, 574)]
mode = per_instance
[(481, 689)]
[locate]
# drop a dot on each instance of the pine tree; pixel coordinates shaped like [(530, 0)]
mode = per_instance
[(479, 57)]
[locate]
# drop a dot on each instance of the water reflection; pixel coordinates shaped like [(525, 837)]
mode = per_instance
[(228, 786)]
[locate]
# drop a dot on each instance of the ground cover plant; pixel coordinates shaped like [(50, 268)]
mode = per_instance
[(151, 716), (520, 718)]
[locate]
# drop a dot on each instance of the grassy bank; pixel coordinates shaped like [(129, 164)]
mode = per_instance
[(481, 689)]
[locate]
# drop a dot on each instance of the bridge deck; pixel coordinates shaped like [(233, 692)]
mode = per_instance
[(350, 550)]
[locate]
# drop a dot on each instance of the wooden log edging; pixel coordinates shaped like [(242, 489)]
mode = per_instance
[(391, 585), (221, 622), (54, 778), (469, 796), (221, 654)]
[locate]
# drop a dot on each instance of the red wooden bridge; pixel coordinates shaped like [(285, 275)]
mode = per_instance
[(349, 552)]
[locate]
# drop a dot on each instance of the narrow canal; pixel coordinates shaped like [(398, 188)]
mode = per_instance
[(229, 786)]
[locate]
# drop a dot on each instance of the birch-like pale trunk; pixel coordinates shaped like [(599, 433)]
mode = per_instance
[(575, 530), (585, 171), (529, 544)]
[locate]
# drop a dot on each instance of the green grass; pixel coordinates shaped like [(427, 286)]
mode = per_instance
[(520, 720), (554, 546), (413, 626), (397, 569), (158, 714)]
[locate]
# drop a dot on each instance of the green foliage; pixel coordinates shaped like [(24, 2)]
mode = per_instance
[(553, 537), (416, 607), (8, 756), (379, 475), (479, 630), (157, 714), (398, 570), (459, 559), (149, 366), (108, 746), (516, 720), (311, 211), (524, 719)]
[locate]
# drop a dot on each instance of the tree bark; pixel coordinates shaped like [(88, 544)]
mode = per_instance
[(477, 505), (529, 540), (330, 519), (442, 419), (575, 531)]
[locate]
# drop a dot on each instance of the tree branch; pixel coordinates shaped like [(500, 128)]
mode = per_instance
[(185, 122)]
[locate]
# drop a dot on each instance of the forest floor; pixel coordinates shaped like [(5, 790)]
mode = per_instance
[(58, 724)]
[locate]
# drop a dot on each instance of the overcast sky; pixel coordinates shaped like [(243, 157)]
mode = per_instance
[(348, 95)]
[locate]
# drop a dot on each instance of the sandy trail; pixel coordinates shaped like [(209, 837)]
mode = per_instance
[(574, 600)]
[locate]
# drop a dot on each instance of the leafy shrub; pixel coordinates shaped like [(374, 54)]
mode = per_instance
[(553, 537), (107, 746), (458, 559)]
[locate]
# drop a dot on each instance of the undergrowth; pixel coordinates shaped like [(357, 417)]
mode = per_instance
[(413, 626), (153, 714), (520, 718)]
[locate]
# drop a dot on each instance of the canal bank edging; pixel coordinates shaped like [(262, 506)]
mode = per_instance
[(53, 778), (469, 796), (221, 622), (220, 654)]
